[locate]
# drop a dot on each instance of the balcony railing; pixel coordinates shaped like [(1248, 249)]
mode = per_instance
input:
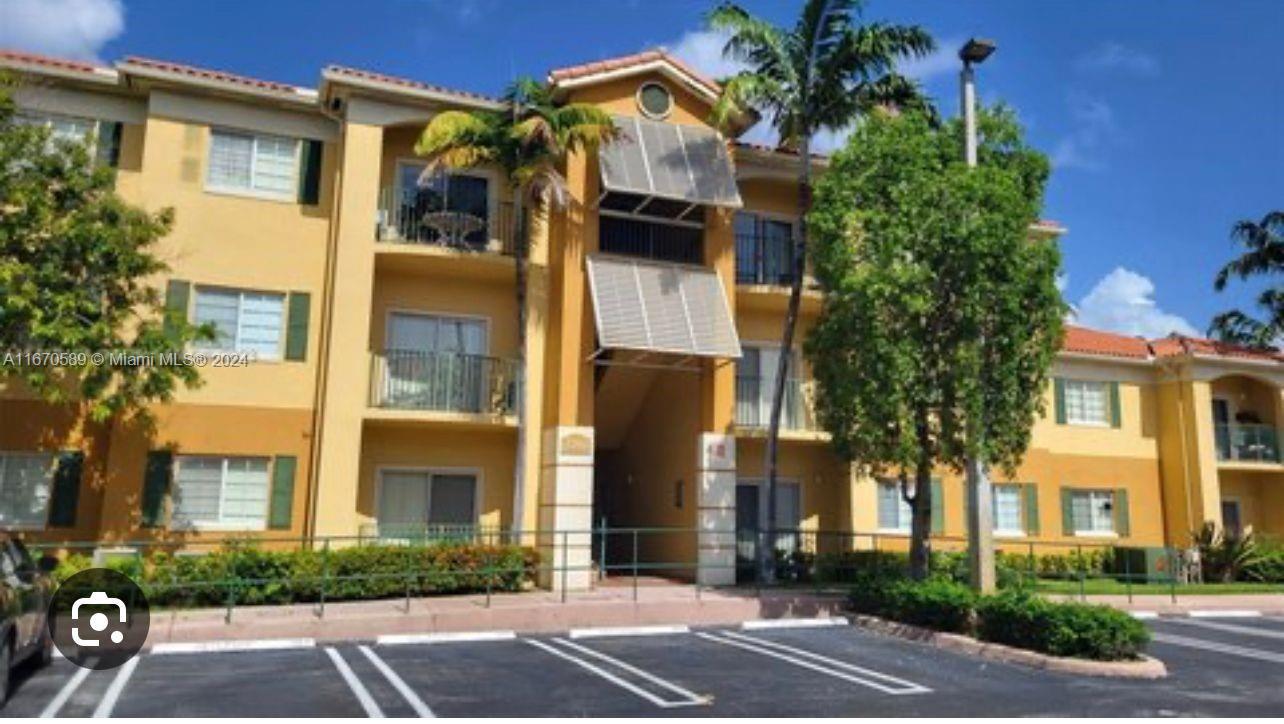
[(443, 382), (753, 404), (404, 219), (761, 259), (1248, 442)]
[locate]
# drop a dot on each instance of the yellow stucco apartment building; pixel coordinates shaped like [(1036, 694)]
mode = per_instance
[(381, 312)]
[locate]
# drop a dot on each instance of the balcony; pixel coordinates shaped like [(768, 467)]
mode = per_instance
[(443, 382), (421, 221), (763, 259), (753, 405), (1247, 443)]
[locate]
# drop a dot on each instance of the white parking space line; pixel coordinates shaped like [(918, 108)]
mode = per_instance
[(690, 696), (1227, 613), (877, 680), (398, 683), (603, 673), (358, 689), (112, 695), (1229, 628), (445, 637), (55, 704), (590, 633), (1145, 615), (1218, 647), (211, 647), (777, 623)]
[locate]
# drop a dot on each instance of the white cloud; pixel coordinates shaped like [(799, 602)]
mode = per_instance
[(702, 50), (1094, 130), (1115, 57), (66, 28), (943, 61), (1123, 301)]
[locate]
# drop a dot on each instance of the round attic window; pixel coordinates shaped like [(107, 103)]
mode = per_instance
[(655, 100)]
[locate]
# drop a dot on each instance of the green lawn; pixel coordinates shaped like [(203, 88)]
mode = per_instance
[(1111, 586)]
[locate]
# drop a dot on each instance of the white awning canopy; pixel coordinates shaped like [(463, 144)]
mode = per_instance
[(666, 167), (648, 306)]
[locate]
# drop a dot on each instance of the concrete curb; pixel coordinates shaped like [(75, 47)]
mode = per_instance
[(1147, 668)]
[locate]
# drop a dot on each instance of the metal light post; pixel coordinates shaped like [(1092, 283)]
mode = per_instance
[(980, 495)]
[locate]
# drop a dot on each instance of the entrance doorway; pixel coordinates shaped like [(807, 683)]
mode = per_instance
[(751, 514)]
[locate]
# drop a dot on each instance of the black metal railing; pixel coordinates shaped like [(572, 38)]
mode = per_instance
[(761, 259), (1247, 442), (409, 219), (443, 381), (753, 404)]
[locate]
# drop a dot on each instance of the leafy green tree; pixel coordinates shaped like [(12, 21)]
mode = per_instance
[(942, 314), (76, 271), (528, 141), (824, 73), (1263, 243)]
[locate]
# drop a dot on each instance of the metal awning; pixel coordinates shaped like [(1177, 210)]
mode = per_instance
[(666, 169), (647, 306)]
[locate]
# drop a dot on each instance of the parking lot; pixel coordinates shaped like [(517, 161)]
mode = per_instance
[(1218, 666)]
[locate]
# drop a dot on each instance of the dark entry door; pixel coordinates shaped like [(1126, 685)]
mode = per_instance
[(746, 531)]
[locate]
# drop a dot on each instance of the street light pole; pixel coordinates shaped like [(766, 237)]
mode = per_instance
[(980, 494)]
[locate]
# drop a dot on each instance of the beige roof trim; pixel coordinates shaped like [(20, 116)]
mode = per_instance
[(660, 65)]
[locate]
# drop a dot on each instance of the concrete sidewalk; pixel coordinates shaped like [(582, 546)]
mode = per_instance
[(1263, 603), (531, 612)]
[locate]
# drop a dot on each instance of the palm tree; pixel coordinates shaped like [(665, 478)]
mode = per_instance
[(822, 74), (528, 141), (1263, 257)]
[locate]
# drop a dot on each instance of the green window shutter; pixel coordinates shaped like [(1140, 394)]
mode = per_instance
[(107, 151), (282, 492), (177, 293), (156, 480), (66, 489), (1059, 399), (1115, 416), (296, 333), (1123, 526), (1031, 508), (1067, 512), (938, 507), (310, 173)]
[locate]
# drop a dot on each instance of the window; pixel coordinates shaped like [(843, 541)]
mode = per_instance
[(1087, 403), (764, 249), (64, 128), (445, 208), (651, 240), (655, 100), (255, 164), (894, 512), (755, 378), (1007, 510), (1092, 511), (437, 362), (229, 493), (411, 500), (245, 321), (24, 489)]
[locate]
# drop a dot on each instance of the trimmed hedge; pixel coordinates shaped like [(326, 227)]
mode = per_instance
[(252, 575), (1060, 629), (1015, 618)]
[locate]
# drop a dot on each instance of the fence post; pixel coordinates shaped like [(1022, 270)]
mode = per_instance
[(230, 579), (1030, 571), (325, 575), (635, 564), (601, 547), (1172, 573), (488, 572), (1128, 575), (565, 562), (1083, 594), (409, 573)]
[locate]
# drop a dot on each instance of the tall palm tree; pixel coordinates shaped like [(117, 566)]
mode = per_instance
[(824, 73), (528, 141), (1263, 242)]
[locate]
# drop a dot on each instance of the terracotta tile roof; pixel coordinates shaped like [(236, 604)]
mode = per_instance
[(214, 75), (1176, 345), (626, 61), (18, 56), (405, 83), (1081, 340)]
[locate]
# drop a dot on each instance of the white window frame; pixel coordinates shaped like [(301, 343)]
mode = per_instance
[(220, 525), (5, 456), (903, 510), (1019, 490), (479, 484), (46, 120), (1093, 494), (1080, 387), (251, 191), (276, 356)]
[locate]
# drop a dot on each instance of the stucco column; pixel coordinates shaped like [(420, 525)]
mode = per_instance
[(1205, 483), (346, 358)]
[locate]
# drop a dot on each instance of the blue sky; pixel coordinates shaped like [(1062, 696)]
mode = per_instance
[(1164, 118)]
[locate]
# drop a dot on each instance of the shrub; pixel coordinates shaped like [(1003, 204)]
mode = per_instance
[(937, 604), (1060, 629), (1225, 558), (1269, 566)]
